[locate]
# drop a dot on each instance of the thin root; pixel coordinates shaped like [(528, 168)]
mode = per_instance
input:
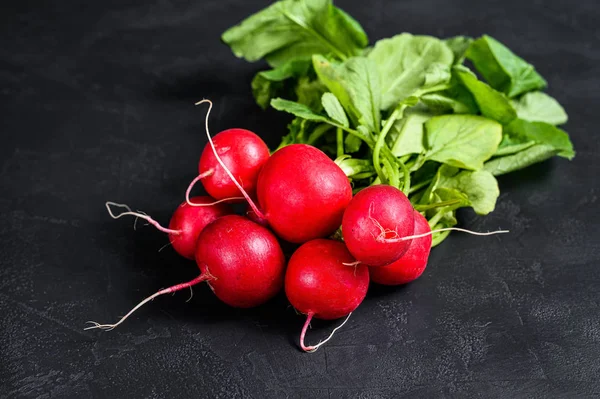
[(259, 214), (138, 214), (173, 289), (313, 348), (352, 263)]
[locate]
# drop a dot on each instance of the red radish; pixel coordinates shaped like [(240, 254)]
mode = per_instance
[(412, 264), (320, 284), (301, 191), (186, 223), (245, 259), (240, 260), (244, 154), (374, 221)]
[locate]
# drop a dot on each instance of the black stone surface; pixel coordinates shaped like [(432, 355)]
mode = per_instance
[(96, 104)]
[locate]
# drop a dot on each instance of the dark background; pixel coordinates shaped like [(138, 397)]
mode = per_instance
[(96, 102)]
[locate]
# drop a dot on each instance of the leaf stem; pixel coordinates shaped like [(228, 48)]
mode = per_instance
[(380, 143), (340, 142)]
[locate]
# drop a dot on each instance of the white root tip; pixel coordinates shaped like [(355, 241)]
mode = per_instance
[(314, 348)]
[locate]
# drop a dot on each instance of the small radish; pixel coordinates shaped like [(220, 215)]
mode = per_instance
[(374, 220), (320, 283), (301, 191), (244, 154), (412, 264), (240, 260), (186, 223)]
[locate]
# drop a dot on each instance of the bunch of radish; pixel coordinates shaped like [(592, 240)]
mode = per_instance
[(299, 195)]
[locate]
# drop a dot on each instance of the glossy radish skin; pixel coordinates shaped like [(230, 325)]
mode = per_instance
[(412, 264), (243, 261), (374, 221), (318, 283), (188, 221), (244, 154), (302, 193)]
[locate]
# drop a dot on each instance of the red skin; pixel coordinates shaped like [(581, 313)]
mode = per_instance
[(242, 261), (392, 210), (412, 264), (190, 221), (302, 193), (244, 154), (318, 283)]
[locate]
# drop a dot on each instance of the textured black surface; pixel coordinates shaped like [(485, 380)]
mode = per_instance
[(96, 104)]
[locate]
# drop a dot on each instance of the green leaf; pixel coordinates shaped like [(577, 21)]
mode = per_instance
[(270, 84), (512, 148), (352, 144), (536, 106), (297, 109), (459, 46), (355, 83), (526, 143), (406, 135), (531, 155), (491, 103), (296, 29), (502, 69), (464, 141), (334, 109), (542, 133), (404, 62), (309, 92), (480, 187), (436, 74)]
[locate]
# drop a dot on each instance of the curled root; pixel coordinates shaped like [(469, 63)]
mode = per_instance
[(258, 213), (313, 348), (196, 180), (137, 215)]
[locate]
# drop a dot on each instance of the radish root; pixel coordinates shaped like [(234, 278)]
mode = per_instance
[(193, 183), (313, 348), (388, 235), (173, 289), (382, 237), (137, 215), (258, 213)]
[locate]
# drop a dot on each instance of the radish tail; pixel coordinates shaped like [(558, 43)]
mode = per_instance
[(175, 288), (193, 183), (237, 184), (313, 348), (382, 238), (137, 215)]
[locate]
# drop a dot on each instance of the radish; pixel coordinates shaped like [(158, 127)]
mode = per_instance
[(240, 260), (244, 154), (301, 191), (374, 220), (412, 264), (320, 284), (186, 223)]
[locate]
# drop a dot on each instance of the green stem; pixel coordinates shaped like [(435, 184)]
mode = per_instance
[(439, 237), (436, 218), (317, 133), (419, 186), (340, 142), (380, 143), (422, 208), (406, 183)]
